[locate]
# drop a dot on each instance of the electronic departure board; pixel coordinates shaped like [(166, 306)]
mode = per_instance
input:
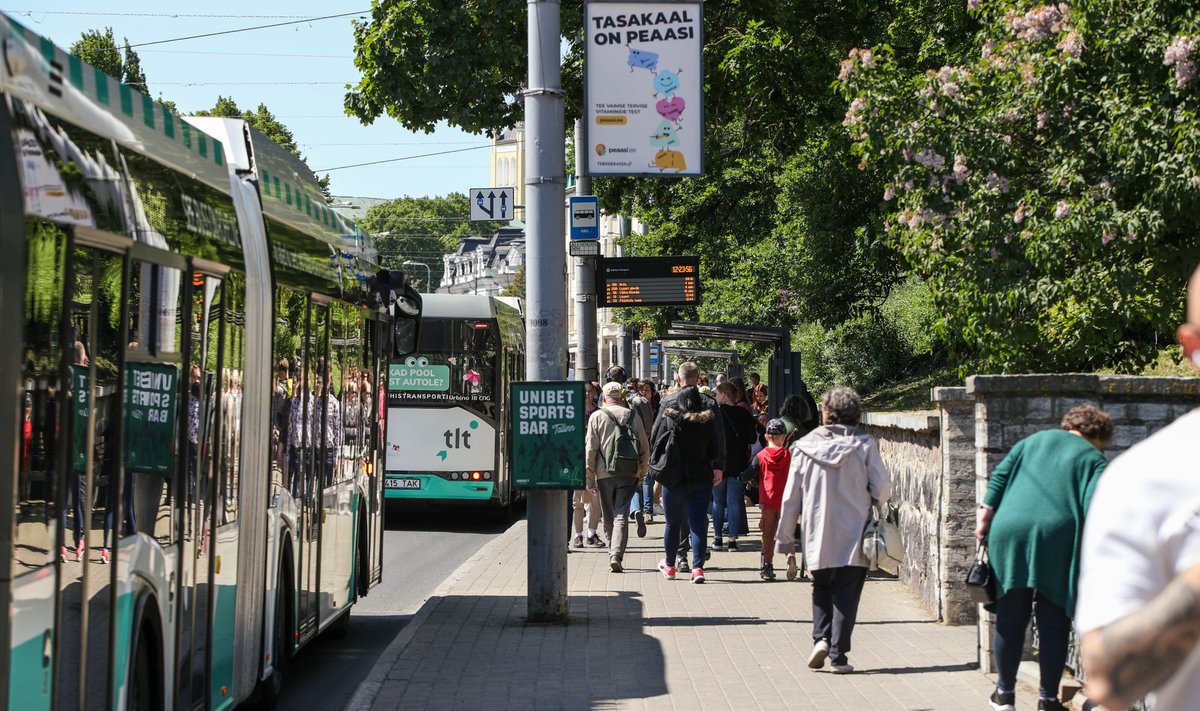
[(648, 281)]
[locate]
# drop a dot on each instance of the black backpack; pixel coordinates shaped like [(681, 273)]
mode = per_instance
[(680, 446), (665, 463), (622, 451)]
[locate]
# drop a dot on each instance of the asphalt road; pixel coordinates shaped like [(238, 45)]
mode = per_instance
[(421, 549)]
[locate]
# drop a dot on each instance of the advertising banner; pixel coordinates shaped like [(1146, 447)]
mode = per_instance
[(438, 440), (643, 88), (547, 435)]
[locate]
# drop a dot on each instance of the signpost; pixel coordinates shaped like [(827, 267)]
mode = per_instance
[(585, 217), (491, 204), (648, 281), (548, 434)]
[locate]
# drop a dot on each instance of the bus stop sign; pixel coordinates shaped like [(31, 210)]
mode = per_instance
[(547, 434)]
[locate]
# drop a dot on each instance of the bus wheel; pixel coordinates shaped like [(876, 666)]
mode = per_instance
[(271, 689), (142, 691)]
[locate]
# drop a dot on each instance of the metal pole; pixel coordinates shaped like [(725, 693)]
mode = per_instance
[(545, 288), (644, 359), (586, 357)]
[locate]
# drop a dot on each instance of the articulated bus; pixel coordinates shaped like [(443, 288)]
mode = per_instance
[(191, 376), (447, 418)]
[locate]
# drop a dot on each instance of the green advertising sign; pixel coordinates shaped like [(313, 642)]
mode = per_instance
[(547, 435), (427, 378), (151, 391), (79, 413)]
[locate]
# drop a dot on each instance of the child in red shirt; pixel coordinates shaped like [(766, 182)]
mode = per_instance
[(770, 469)]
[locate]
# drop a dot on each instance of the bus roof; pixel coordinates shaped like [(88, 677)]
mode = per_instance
[(460, 306)]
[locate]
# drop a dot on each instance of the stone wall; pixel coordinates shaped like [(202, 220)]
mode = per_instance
[(910, 448), (941, 459), (1009, 408)]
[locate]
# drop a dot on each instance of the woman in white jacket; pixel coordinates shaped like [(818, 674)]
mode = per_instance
[(836, 475)]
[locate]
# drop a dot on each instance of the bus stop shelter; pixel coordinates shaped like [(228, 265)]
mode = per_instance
[(783, 368)]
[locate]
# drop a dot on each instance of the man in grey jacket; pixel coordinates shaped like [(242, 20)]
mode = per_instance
[(614, 490), (837, 473)]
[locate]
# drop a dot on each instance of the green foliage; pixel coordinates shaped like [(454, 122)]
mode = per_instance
[(424, 62), (863, 353), (1045, 188), (100, 50), (517, 287), (421, 229)]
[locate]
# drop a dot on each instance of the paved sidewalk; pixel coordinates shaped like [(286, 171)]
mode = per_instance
[(638, 641)]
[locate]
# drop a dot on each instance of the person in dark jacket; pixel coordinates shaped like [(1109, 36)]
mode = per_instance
[(729, 496), (699, 448)]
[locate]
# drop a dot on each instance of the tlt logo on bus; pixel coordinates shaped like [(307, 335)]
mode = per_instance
[(458, 438)]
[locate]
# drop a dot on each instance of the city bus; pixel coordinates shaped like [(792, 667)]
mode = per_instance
[(192, 371), (447, 404)]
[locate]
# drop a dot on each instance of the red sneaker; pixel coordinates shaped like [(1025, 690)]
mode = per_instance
[(80, 551), (668, 571), (62, 554), (697, 575), (104, 556)]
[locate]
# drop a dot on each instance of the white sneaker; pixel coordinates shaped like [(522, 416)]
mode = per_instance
[(841, 668), (820, 653)]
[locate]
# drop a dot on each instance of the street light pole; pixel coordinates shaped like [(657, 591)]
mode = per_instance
[(428, 273)]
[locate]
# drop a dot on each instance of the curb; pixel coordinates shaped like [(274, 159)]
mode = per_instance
[(369, 688)]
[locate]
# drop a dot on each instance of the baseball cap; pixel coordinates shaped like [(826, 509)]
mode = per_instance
[(776, 427), (613, 390)]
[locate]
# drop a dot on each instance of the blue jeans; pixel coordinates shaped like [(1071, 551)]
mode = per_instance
[(691, 501), (643, 498), (728, 500), (1012, 618)]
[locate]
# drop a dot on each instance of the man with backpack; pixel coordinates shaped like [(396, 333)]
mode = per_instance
[(644, 411), (617, 455), (688, 458)]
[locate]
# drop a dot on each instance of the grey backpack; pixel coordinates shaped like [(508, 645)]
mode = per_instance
[(622, 451)]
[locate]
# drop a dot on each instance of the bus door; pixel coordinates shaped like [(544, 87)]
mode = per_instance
[(315, 463), (80, 442), (204, 388)]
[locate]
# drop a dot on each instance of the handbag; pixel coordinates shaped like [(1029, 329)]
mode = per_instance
[(981, 582), (882, 544)]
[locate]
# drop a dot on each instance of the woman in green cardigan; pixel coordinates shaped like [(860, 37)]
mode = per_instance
[(1031, 521)]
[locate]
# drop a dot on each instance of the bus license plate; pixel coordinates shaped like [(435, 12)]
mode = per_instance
[(403, 483)]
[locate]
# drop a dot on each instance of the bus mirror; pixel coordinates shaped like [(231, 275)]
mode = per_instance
[(406, 315)]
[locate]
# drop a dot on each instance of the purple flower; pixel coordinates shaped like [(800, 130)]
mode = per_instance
[(854, 113), (889, 193), (1179, 54), (1019, 215), (1071, 44), (1108, 236), (1062, 210), (929, 159), (996, 182), (972, 5)]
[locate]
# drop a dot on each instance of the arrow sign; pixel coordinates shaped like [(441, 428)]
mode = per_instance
[(484, 207)]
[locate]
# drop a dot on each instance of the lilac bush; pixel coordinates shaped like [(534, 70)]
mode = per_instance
[(1048, 190)]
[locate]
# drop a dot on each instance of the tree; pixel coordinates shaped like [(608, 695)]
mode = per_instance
[(421, 229), (100, 50), (1047, 188), (265, 122), (517, 287), (788, 228)]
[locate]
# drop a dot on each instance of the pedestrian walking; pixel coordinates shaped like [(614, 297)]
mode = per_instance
[(611, 473), (768, 471), (1031, 521), (1139, 587), (837, 474), (643, 498), (728, 507), (688, 457)]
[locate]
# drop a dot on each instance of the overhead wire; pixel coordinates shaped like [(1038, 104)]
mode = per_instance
[(248, 29), (393, 160)]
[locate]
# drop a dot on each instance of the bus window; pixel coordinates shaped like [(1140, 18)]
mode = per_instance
[(152, 396)]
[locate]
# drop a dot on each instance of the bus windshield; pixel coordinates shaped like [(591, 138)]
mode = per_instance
[(455, 360)]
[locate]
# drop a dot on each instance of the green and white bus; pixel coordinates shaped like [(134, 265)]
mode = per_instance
[(447, 416), (191, 373)]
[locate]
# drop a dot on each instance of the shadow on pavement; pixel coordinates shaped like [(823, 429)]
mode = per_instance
[(448, 518), (477, 650), (328, 670)]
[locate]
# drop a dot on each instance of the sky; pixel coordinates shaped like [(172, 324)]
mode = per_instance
[(298, 70)]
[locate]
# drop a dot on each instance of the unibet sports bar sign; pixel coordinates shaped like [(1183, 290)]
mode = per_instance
[(547, 435)]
